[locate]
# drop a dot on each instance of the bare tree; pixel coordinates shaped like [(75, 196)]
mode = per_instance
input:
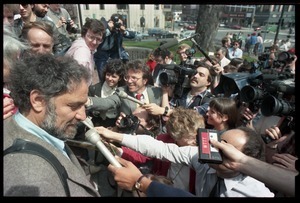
[(207, 25)]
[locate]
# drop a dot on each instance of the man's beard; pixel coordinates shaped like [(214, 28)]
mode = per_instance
[(49, 125), (39, 13)]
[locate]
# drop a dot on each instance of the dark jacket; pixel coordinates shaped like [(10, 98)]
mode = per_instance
[(116, 51)]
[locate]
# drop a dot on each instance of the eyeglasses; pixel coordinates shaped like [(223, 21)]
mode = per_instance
[(133, 79), (92, 38)]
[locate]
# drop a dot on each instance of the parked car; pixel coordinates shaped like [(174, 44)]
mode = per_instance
[(168, 34), (138, 36), (186, 34), (160, 33), (266, 29), (155, 32), (235, 26), (191, 27), (222, 25)]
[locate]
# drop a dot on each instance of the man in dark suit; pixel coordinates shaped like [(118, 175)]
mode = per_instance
[(50, 94)]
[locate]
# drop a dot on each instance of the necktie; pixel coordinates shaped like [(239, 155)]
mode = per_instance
[(218, 188), (138, 96)]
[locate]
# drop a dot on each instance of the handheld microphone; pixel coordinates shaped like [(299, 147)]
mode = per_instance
[(175, 41), (93, 136), (124, 95)]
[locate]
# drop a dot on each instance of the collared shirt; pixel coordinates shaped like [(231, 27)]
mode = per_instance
[(144, 98), (29, 126), (235, 53)]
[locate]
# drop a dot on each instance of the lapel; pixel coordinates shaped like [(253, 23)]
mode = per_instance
[(73, 171), (150, 95)]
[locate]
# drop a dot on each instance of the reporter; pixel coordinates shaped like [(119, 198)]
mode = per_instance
[(112, 45)]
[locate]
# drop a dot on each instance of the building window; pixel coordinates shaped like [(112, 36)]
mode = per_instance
[(142, 6), (276, 8), (266, 8), (102, 7), (122, 6), (286, 7), (292, 8), (156, 6), (167, 6)]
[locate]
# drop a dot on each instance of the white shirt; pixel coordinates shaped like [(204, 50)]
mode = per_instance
[(224, 62), (235, 53)]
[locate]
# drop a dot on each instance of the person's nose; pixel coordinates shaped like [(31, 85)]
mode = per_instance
[(81, 114)]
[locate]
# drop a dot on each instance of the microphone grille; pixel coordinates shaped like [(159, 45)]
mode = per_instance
[(121, 94), (92, 136)]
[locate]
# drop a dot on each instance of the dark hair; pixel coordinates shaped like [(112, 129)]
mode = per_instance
[(112, 17), (96, 26), (163, 53), (236, 61), (139, 65), (227, 106), (48, 74), (115, 66), (254, 146), (42, 25)]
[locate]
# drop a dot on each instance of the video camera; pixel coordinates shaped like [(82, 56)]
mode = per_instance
[(69, 28), (116, 22), (129, 124), (278, 103), (284, 58), (177, 75)]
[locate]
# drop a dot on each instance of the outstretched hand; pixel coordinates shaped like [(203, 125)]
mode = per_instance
[(232, 157), (125, 176)]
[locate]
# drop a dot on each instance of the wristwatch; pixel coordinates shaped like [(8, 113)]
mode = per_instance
[(137, 184)]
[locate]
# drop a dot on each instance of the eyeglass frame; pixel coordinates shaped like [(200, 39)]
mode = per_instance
[(134, 79), (92, 38)]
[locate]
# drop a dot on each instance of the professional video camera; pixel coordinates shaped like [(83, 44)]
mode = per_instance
[(115, 20), (252, 96), (129, 124), (283, 59), (177, 75), (278, 102)]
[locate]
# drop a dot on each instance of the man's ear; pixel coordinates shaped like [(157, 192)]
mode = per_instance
[(37, 101)]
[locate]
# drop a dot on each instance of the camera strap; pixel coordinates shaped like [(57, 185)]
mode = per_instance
[(25, 146)]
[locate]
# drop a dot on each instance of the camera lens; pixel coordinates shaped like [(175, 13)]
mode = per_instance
[(126, 122), (249, 94), (272, 106), (166, 78)]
